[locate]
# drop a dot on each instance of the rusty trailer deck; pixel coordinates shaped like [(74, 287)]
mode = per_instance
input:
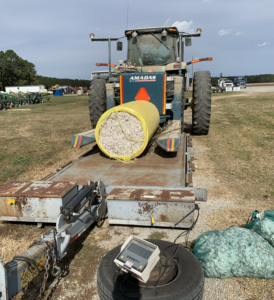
[(156, 190), (153, 169), (157, 186)]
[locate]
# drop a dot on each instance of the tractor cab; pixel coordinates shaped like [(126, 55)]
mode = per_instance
[(154, 49), (152, 46)]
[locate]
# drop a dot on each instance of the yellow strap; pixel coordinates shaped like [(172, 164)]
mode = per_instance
[(129, 138), (126, 161)]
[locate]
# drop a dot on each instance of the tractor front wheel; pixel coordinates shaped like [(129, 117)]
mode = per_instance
[(201, 103), (97, 99)]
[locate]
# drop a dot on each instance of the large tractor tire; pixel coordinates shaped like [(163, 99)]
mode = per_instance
[(187, 283), (97, 99), (201, 103)]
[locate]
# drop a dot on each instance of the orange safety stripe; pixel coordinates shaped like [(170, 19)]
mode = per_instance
[(168, 143), (80, 140)]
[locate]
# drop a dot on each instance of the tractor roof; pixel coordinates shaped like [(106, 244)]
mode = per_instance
[(153, 29)]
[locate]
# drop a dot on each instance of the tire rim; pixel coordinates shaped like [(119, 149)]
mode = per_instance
[(171, 274)]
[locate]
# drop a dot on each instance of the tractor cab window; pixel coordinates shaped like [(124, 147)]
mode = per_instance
[(151, 49)]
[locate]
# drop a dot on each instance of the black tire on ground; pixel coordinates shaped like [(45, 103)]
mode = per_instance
[(201, 103), (188, 284), (97, 99)]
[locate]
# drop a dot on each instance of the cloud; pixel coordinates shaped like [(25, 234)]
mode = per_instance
[(224, 32), (263, 44), (238, 33), (184, 26), (167, 22), (208, 1)]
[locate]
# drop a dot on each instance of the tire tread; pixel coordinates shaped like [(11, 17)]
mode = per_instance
[(201, 103), (97, 99)]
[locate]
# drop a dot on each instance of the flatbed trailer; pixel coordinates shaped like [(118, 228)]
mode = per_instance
[(158, 186)]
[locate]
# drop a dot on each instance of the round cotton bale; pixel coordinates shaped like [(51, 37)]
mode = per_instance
[(124, 131)]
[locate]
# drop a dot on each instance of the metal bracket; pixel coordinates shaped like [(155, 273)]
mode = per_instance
[(110, 95)]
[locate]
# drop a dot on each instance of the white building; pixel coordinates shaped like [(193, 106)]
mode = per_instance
[(26, 89)]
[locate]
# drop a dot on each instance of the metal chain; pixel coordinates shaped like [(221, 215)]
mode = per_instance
[(54, 266), (47, 267), (50, 254)]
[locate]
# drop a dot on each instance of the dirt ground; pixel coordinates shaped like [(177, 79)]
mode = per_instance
[(78, 280)]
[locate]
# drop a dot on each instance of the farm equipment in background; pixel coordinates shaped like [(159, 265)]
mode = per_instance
[(217, 89), (10, 100)]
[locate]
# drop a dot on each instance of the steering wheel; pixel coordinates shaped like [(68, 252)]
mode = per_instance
[(149, 59)]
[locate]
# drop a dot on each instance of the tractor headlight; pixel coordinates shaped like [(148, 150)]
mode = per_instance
[(92, 35), (199, 30), (134, 34)]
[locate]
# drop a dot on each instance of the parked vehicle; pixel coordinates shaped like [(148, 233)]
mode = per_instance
[(240, 81), (224, 82)]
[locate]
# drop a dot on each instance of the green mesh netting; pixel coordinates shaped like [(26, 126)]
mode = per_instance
[(235, 252), (263, 225)]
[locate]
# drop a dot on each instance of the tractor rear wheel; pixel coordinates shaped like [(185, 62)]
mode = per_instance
[(201, 103), (97, 99)]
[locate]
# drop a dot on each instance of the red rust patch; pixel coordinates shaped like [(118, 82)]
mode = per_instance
[(44, 189), (164, 218), (136, 194), (152, 195)]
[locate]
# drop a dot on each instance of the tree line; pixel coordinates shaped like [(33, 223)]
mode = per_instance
[(51, 81), (15, 70)]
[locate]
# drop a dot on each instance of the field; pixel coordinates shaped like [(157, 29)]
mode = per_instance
[(37, 138), (234, 162)]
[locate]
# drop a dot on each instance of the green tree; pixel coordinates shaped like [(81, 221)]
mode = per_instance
[(51, 81), (15, 71)]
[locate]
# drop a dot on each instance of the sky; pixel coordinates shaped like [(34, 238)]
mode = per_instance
[(54, 34)]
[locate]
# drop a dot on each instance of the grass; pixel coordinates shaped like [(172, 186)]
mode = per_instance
[(242, 132), (38, 138), (240, 147)]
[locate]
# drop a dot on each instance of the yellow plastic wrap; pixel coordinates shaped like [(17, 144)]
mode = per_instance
[(145, 112)]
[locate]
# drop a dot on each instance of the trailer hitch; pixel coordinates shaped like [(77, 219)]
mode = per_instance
[(73, 220)]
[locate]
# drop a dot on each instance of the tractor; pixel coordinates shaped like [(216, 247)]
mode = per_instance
[(154, 71)]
